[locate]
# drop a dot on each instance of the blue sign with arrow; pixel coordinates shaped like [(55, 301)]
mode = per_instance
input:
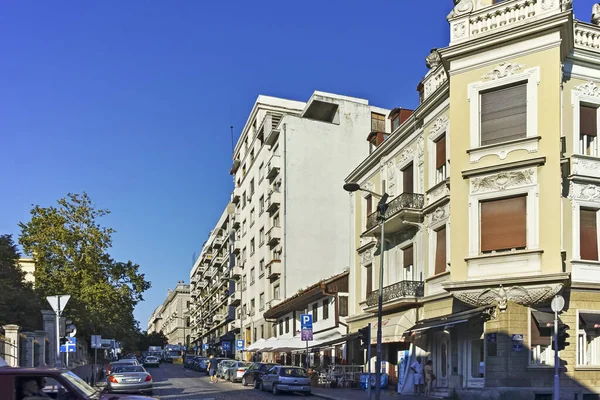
[(226, 346), (70, 346)]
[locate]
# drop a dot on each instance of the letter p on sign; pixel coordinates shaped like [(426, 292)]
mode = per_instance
[(306, 321)]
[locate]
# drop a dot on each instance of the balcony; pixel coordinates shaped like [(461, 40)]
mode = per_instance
[(218, 242), (236, 272), (272, 303), (236, 221), (269, 128), (202, 284), (405, 207), (225, 275), (234, 326), (234, 167), (273, 167), (217, 318), (235, 298), (219, 260), (399, 292), (273, 236), (236, 195), (211, 272), (273, 270), (273, 201), (237, 247)]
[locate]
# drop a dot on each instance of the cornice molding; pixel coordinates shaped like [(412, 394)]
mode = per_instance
[(532, 162)]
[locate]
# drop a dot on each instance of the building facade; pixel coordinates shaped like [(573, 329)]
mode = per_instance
[(494, 188), (174, 316), (155, 320), (291, 218)]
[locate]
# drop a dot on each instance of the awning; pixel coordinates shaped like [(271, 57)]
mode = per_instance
[(296, 342), (256, 346), (544, 319), (447, 320), (343, 339), (394, 327), (592, 321)]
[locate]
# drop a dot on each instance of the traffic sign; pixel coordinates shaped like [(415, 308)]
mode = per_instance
[(96, 342), (205, 346), (239, 344), (195, 348), (306, 321), (306, 335), (558, 303), (58, 303), (70, 346), (226, 346)]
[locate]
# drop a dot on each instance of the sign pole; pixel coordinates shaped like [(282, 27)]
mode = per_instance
[(67, 356), (557, 305), (95, 372), (369, 361)]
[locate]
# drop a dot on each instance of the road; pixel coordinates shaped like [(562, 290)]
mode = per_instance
[(173, 382)]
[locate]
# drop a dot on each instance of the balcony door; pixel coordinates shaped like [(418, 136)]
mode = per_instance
[(407, 179)]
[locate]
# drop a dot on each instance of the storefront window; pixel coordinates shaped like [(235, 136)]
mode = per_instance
[(477, 366), (588, 339), (541, 327)]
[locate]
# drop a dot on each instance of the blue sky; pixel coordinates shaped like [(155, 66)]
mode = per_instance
[(132, 101)]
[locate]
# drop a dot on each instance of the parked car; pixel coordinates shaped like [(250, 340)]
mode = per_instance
[(223, 365), (286, 379), (189, 360), (151, 361), (111, 365), (200, 364), (16, 384), (253, 374), (129, 379), (236, 370)]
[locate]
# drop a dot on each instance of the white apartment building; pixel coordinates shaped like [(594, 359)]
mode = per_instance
[(289, 167), (175, 322)]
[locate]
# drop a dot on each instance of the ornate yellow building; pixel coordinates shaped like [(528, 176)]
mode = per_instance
[(494, 184)]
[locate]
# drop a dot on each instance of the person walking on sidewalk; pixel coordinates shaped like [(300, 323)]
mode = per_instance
[(418, 381), (212, 369), (429, 377)]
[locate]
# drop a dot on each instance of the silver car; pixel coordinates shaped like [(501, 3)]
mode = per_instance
[(222, 367), (286, 379), (236, 370), (129, 379)]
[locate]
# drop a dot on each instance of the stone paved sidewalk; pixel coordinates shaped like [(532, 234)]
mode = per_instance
[(356, 394)]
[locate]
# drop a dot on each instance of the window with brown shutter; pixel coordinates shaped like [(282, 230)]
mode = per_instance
[(369, 204), (440, 152), (407, 255), (503, 224), (377, 122), (588, 235), (440, 251), (588, 120), (504, 114), (407, 179), (369, 271), (343, 300)]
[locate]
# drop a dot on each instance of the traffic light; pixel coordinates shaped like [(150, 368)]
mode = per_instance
[(365, 336), (562, 337), (62, 326)]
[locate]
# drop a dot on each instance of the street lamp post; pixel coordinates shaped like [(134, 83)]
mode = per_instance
[(381, 209)]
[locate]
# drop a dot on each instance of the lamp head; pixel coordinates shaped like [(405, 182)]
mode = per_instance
[(351, 187)]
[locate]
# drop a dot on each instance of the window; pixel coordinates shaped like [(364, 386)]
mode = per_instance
[(440, 159), (369, 200), (244, 227), (276, 220), (255, 333), (325, 309), (276, 293), (408, 263), (369, 279), (252, 156), (252, 188), (395, 122), (315, 312), (540, 339), (377, 122), (261, 301), (244, 200), (244, 310), (440, 251), (504, 114), (261, 236), (262, 331), (588, 235), (252, 246), (477, 359), (287, 325), (252, 276), (261, 172), (244, 280), (252, 307), (244, 254), (588, 130), (275, 330), (281, 327), (252, 217), (407, 179), (261, 205), (588, 338), (343, 301), (261, 267), (503, 224)]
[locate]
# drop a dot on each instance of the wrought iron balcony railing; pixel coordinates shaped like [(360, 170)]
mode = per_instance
[(402, 202), (397, 291)]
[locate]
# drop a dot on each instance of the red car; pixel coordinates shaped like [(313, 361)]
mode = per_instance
[(18, 383)]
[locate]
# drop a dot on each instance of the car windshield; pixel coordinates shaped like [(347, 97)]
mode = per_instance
[(151, 358), (80, 386), (132, 368), (295, 372), (244, 364)]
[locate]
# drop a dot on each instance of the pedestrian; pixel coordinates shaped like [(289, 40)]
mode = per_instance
[(429, 377), (418, 381), (212, 369)]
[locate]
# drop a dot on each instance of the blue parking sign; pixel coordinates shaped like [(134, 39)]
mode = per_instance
[(239, 344), (205, 346), (306, 321), (226, 346)]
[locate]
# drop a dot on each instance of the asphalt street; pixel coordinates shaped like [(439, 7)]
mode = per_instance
[(173, 382)]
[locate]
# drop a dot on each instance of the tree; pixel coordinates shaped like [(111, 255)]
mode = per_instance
[(70, 249), (19, 304)]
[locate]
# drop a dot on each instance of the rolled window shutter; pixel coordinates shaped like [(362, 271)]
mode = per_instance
[(504, 114), (588, 235), (407, 179), (440, 152), (407, 254), (440, 251), (588, 120), (504, 224)]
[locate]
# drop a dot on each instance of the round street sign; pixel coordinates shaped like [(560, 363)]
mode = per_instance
[(558, 303)]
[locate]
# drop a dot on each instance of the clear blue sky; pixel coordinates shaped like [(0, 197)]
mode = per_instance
[(132, 101)]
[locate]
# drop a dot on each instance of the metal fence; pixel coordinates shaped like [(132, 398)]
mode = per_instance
[(7, 349)]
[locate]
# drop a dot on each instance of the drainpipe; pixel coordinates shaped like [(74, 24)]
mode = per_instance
[(284, 213)]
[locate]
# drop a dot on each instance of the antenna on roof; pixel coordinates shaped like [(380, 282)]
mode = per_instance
[(232, 145)]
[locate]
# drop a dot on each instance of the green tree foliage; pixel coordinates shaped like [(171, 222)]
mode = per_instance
[(19, 304), (70, 249), (144, 340)]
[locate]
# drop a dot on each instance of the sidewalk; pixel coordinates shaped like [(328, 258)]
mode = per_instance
[(356, 394)]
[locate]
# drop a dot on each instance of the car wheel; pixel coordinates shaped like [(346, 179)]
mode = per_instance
[(262, 387), (275, 390), (244, 382)]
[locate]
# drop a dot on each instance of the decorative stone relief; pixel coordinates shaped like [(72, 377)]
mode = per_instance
[(596, 14), (567, 5), (440, 125), (502, 71), (367, 256), (461, 7), (437, 193), (502, 180), (405, 155), (421, 157), (586, 167), (547, 4), (406, 235), (391, 178), (459, 30), (589, 88), (439, 214), (525, 296), (433, 59), (584, 192)]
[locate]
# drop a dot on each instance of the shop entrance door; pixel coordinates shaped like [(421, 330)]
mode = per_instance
[(441, 359)]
